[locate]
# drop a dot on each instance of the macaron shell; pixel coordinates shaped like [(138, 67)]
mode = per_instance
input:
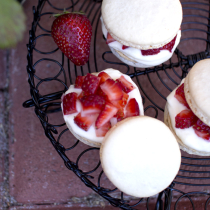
[(87, 141), (142, 24), (197, 90), (127, 60), (138, 159)]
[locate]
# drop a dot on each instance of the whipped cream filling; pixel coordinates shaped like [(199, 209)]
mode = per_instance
[(90, 134), (187, 135), (135, 54)]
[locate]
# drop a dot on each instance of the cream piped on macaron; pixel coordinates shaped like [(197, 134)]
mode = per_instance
[(142, 25)]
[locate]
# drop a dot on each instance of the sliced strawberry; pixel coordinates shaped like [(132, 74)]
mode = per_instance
[(105, 115), (101, 93), (203, 134), (168, 47), (122, 102), (84, 122), (79, 81), (126, 85), (69, 103), (132, 108), (82, 94), (180, 96), (112, 89), (124, 47), (150, 51), (199, 125), (109, 38), (90, 83), (120, 115), (101, 132), (92, 104), (104, 76), (185, 119), (201, 129)]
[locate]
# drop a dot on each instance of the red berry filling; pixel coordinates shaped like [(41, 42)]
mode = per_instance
[(203, 134), (109, 38), (90, 83), (112, 89), (185, 119), (104, 76), (122, 102), (79, 81), (102, 100), (125, 47), (101, 132), (202, 130), (92, 104), (86, 121), (120, 115), (180, 96), (168, 47), (69, 103), (105, 115), (125, 84), (132, 108)]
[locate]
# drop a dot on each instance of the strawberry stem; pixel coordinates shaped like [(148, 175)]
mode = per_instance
[(67, 12)]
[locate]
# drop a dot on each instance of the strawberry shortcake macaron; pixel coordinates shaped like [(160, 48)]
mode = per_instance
[(187, 110), (140, 156), (142, 33), (97, 102)]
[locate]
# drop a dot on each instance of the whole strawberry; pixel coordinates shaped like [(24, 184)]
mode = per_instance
[(72, 33)]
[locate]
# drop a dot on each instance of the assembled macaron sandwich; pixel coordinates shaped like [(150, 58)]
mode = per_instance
[(142, 33), (187, 111)]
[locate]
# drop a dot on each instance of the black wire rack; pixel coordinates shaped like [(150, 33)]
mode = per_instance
[(193, 179)]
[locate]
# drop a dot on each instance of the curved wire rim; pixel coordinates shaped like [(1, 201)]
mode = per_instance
[(41, 51), (40, 15), (52, 60)]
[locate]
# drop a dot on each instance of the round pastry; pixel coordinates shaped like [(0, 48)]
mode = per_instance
[(140, 156), (187, 110), (97, 102), (142, 33)]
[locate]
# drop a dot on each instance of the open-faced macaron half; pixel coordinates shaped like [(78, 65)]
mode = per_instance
[(97, 102)]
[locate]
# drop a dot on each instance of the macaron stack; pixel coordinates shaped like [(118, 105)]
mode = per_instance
[(142, 33), (187, 110)]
